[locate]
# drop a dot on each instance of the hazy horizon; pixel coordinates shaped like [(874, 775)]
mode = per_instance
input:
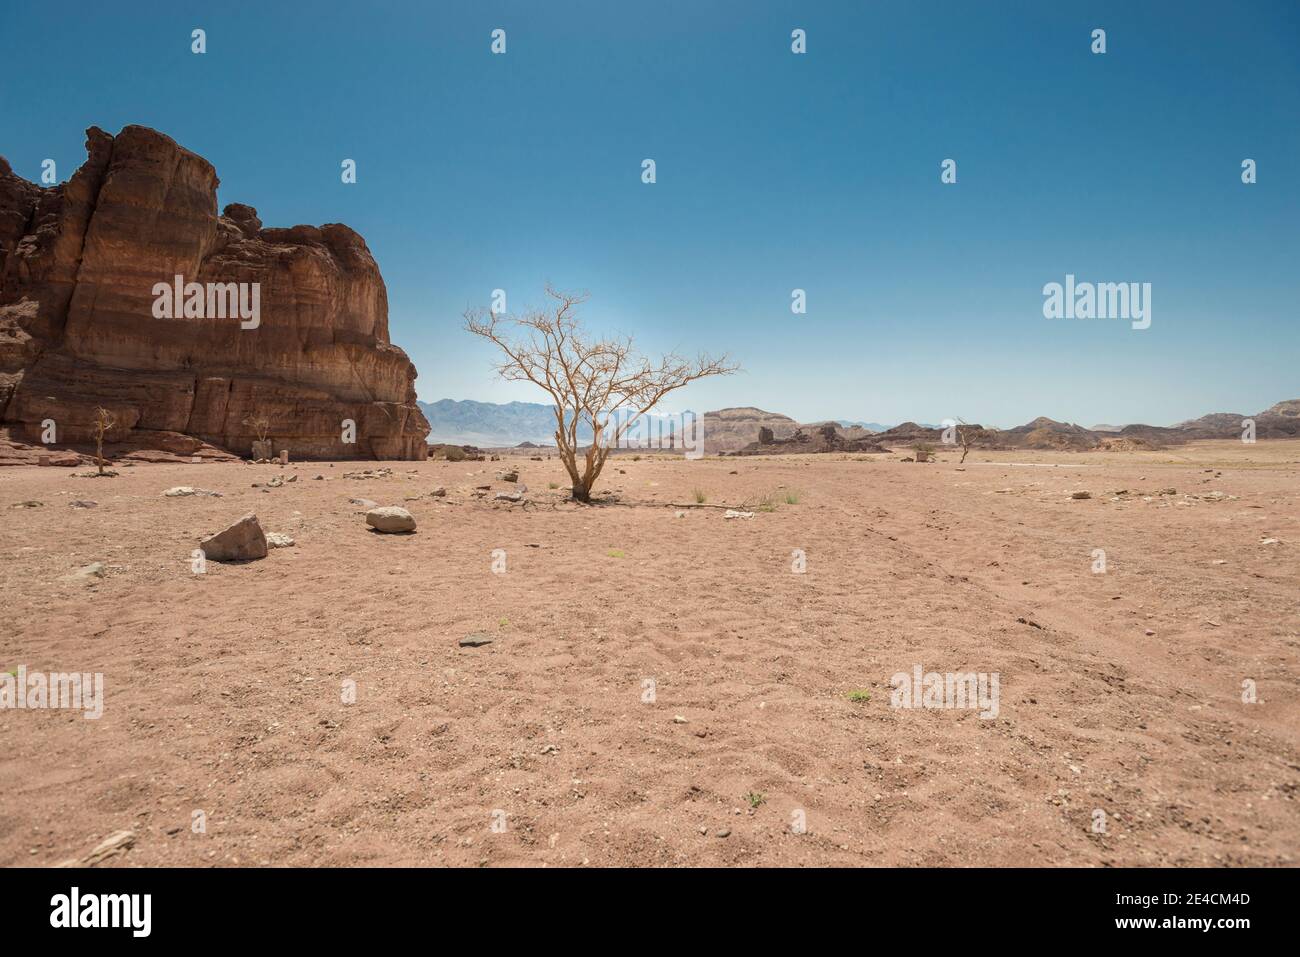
[(775, 171), (889, 423)]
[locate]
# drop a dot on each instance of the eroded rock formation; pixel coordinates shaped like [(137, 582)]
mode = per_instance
[(79, 264), (729, 430), (822, 438)]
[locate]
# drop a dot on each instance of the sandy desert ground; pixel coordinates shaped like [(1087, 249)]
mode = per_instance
[(1120, 692)]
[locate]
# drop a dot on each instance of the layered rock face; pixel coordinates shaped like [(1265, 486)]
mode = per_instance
[(80, 271), (729, 430)]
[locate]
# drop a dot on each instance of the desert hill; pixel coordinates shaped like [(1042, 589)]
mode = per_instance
[(1215, 422), (1043, 433), (729, 430)]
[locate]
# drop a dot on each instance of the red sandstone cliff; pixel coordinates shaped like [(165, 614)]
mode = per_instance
[(78, 267)]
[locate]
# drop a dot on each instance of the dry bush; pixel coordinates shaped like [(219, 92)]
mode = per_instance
[(260, 425), (104, 421), (603, 383)]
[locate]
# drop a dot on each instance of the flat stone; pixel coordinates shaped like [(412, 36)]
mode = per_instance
[(279, 540), (181, 491), (93, 570), (475, 640)]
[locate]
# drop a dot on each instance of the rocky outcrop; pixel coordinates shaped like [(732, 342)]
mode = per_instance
[(822, 438), (730, 430), (773, 434), (1286, 409), (80, 327), (1276, 422)]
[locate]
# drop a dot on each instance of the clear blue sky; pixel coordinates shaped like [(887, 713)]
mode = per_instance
[(775, 171)]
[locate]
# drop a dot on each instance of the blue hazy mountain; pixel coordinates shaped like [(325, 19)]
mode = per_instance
[(467, 422)]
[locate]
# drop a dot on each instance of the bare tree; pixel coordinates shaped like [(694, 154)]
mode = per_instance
[(104, 421), (966, 432), (260, 425), (602, 383), (965, 440)]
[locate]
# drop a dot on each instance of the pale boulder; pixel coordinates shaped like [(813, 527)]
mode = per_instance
[(390, 519)]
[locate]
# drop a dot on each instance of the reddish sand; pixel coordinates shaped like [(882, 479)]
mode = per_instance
[(223, 690)]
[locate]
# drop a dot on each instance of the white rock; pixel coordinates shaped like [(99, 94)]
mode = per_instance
[(390, 518), (93, 570)]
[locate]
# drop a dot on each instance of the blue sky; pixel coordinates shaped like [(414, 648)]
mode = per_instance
[(775, 171)]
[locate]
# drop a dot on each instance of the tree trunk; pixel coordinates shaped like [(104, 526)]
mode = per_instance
[(581, 493)]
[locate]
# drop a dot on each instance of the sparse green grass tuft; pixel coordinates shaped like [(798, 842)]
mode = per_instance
[(860, 695), (617, 553), (755, 798), (700, 497), (770, 500), (552, 485)]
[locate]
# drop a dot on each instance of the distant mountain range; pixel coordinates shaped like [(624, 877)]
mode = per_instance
[(495, 425), (489, 424), (1279, 421)]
